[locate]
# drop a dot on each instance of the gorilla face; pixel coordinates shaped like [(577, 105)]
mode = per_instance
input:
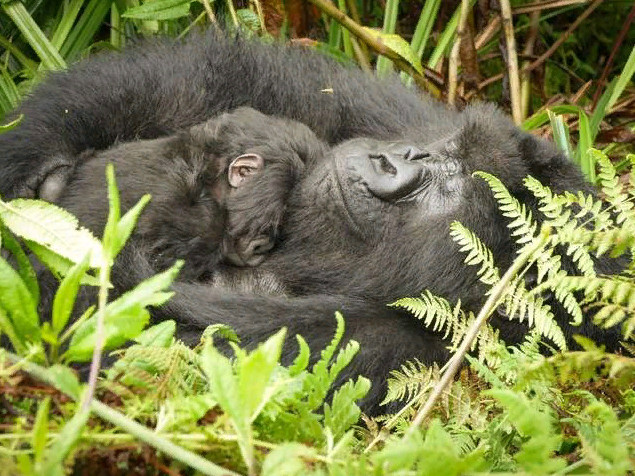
[(381, 211), (398, 174)]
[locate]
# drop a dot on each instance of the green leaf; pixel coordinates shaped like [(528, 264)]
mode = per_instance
[(114, 213), (66, 294), (159, 10), (59, 265), (160, 335), (84, 30), (12, 124), (65, 380), (537, 453), (607, 449), (50, 57), (301, 362), (289, 459), (255, 371), (126, 225), (118, 328), (52, 227), (25, 269), (587, 164), (343, 412), (542, 117), (149, 292), (224, 387), (623, 79), (248, 19), (560, 134), (18, 304), (40, 429), (397, 44)]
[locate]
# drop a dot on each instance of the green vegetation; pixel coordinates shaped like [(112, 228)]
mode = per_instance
[(164, 408)]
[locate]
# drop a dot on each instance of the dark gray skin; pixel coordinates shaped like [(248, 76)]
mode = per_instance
[(353, 235), (218, 189)]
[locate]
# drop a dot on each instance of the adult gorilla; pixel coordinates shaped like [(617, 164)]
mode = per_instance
[(364, 226)]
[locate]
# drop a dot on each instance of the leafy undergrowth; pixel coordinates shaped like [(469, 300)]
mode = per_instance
[(164, 408)]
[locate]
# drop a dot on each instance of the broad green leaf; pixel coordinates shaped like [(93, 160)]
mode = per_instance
[(52, 227), (289, 459), (159, 10), (65, 380), (66, 294), (18, 304), (159, 335), (118, 329), (397, 44), (58, 264), (224, 387), (255, 371), (25, 269)]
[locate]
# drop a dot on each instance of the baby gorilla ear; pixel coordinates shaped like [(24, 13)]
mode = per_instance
[(243, 167)]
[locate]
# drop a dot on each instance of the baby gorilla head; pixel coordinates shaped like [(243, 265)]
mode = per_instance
[(218, 189)]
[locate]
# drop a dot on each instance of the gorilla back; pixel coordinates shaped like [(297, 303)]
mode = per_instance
[(156, 89)]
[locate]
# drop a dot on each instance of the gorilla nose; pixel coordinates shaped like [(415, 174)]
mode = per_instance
[(396, 176)]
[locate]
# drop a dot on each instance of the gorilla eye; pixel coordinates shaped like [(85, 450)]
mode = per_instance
[(203, 193)]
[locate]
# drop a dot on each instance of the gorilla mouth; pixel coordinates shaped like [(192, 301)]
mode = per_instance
[(417, 186)]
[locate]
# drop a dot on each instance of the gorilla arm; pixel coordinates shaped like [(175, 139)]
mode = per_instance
[(387, 337)]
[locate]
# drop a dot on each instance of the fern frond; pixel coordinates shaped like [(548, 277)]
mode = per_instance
[(522, 224), (477, 253), (433, 310), (551, 205), (407, 382), (621, 202)]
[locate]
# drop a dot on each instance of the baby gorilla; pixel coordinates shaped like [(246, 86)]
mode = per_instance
[(218, 189)]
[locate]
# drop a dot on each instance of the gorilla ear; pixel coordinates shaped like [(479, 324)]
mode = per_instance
[(243, 167)]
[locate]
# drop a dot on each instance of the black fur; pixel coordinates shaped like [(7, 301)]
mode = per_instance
[(194, 213), (351, 240)]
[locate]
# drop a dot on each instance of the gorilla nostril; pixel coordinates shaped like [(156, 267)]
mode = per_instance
[(260, 246), (415, 154), (384, 164)]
